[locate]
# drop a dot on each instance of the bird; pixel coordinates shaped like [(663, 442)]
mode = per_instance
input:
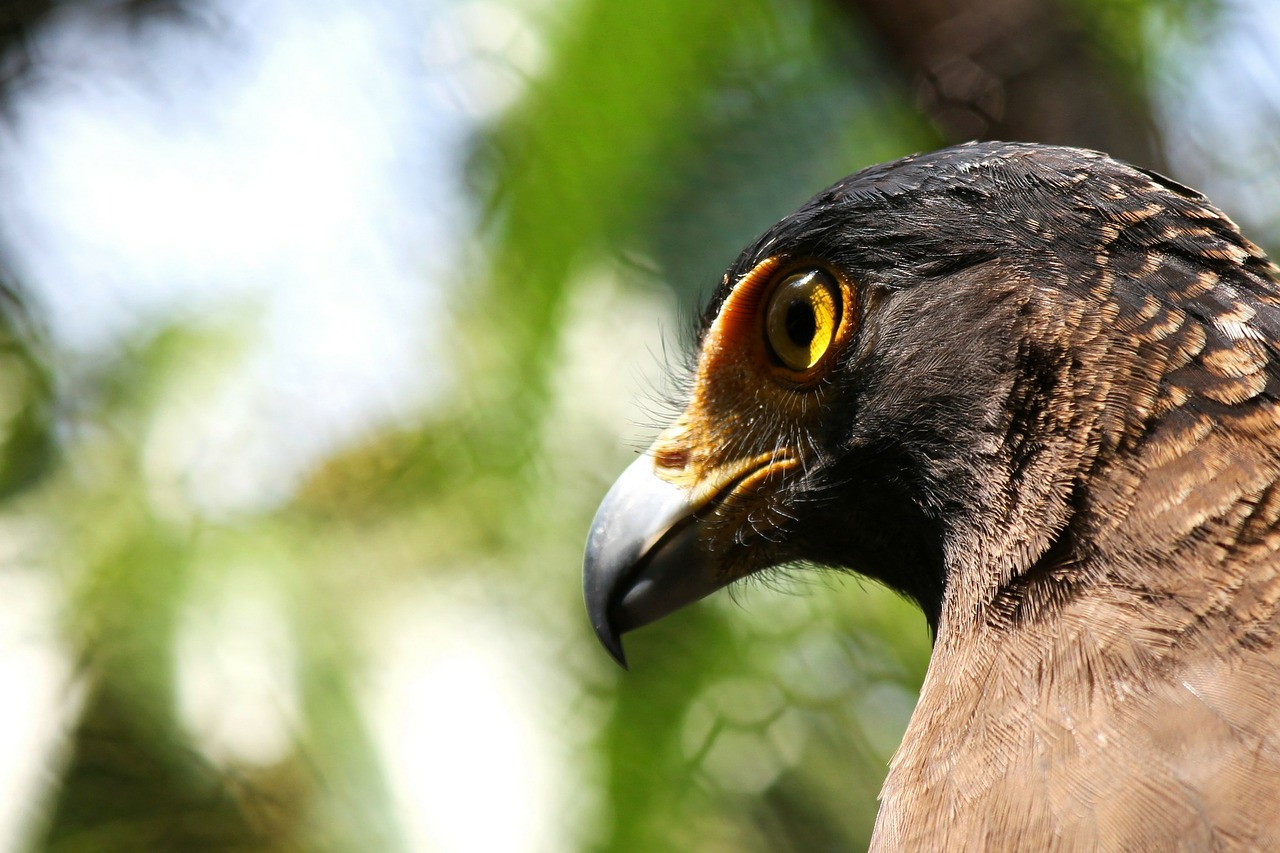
[(1037, 391)]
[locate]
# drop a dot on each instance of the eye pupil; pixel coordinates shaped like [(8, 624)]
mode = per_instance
[(801, 324)]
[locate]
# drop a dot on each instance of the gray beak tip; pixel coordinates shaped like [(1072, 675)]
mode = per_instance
[(612, 643), (642, 558), (636, 512)]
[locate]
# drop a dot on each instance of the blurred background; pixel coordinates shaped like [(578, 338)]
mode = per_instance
[(325, 325)]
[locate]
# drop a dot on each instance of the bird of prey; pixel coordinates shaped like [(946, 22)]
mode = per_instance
[(1037, 391)]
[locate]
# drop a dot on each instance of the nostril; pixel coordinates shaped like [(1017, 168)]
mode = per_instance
[(675, 458)]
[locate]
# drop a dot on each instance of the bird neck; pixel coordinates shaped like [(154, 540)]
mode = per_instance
[(1180, 519), (1122, 446), (1165, 572)]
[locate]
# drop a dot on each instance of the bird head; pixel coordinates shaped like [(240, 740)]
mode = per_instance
[(927, 374)]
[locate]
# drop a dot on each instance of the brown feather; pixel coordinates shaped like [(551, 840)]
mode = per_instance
[(1054, 421), (1140, 712)]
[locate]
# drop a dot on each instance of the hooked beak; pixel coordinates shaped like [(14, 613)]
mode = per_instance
[(644, 558)]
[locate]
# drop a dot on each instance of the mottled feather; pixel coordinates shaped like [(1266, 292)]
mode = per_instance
[(1051, 416), (1106, 669)]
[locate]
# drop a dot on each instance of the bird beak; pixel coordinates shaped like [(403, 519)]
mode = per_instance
[(644, 559)]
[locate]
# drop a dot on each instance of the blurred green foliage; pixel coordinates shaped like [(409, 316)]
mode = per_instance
[(660, 138)]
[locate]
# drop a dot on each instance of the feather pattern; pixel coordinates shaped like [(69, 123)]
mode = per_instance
[(1106, 663), (1056, 426)]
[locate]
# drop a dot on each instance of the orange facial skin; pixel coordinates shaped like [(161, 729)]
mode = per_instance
[(744, 429)]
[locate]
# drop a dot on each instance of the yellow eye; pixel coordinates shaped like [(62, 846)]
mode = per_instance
[(802, 317)]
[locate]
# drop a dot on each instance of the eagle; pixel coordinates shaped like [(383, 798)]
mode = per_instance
[(1037, 391)]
